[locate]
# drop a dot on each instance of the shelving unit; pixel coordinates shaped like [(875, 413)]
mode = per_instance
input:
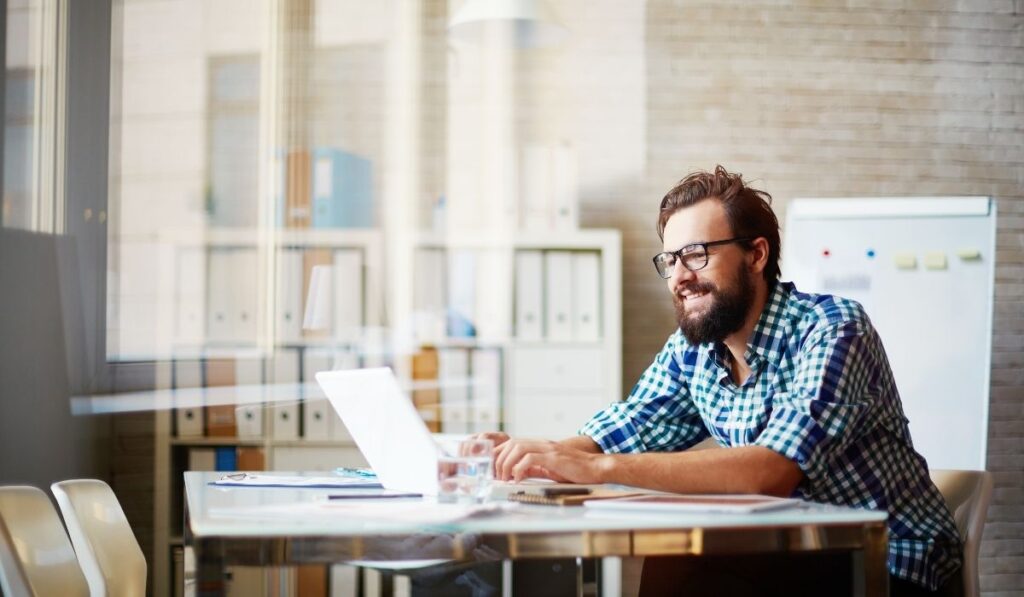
[(566, 377)]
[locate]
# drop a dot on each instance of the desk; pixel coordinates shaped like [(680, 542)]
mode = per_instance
[(248, 526)]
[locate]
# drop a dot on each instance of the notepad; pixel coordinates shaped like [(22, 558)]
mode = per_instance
[(738, 504), (294, 481), (569, 500)]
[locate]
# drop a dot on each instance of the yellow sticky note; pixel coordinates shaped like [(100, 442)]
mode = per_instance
[(935, 260), (968, 254), (905, 260)]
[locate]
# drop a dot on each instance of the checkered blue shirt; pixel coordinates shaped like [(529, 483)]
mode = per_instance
[(820, 393)]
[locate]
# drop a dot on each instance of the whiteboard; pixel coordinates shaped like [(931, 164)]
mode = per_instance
[(924, 270)]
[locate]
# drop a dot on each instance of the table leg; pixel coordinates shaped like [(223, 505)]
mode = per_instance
[(874, 562)]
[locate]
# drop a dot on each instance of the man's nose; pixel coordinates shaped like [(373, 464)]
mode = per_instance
[(681, 276)]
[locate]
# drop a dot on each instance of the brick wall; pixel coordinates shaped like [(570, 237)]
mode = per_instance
[(866, 98)]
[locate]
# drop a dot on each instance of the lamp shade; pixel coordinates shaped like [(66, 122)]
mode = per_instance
[(533, 23)]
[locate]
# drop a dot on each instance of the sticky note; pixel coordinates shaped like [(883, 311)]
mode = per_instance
[(969, 254), (905, 260), (935, 260)]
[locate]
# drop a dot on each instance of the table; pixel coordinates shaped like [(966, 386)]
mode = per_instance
[(252, 526)]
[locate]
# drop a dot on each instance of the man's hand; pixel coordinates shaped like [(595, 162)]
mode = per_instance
[(517, 459), (497, 437)]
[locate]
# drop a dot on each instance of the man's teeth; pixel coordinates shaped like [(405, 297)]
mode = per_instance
[(693, 296)]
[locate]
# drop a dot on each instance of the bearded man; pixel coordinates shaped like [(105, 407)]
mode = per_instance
[(795, 387)]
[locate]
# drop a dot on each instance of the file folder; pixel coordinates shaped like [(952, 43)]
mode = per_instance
[(284, 393), (289, 296), (317, 412), (529, 283), (485, 390), (558, 297), (188, 376), (586, 293), (220, 418), (454, 381), (219, 329), (249, 411), (348, 295)]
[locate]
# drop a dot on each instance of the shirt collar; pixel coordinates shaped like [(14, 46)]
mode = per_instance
[(769, 333)]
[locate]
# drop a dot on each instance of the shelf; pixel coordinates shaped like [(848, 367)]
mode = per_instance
[(304, 443), (217, 441)]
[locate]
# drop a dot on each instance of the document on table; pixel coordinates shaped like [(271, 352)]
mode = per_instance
[(294, 481)]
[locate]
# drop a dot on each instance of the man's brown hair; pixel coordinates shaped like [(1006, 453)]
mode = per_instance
[(748, 209)]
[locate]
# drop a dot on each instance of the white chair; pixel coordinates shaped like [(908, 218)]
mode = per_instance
[(36, 557), (967, 494), (107, 550)]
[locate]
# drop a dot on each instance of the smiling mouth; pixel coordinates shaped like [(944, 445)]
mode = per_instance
[(695, 295)]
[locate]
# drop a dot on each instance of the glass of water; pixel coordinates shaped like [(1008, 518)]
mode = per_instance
[(465, 469)]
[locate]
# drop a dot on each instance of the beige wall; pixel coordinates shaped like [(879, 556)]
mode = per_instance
[(842, 99)]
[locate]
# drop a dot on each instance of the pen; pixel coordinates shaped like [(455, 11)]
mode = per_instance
[(355, 472), (373, 496)]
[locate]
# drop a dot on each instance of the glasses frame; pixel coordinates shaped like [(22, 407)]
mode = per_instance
[(678, 253)]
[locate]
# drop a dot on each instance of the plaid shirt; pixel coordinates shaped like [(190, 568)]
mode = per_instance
[(820, 393)]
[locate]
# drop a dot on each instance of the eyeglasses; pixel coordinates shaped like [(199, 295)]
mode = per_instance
[(693, 256)]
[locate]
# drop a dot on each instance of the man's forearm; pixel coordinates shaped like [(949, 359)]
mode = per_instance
[(584, 443), (749, 469)]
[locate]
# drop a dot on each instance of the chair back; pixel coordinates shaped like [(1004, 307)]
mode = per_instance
[(107, 550), (967, 494), (36, 557)]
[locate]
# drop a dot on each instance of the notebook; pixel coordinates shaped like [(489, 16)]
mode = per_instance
[(737, 504), (391, 434)]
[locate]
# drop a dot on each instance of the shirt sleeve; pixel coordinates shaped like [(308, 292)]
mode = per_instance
[(658, 415), (824, 409)]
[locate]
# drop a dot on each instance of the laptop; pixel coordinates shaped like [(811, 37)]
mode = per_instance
[(390, 432)]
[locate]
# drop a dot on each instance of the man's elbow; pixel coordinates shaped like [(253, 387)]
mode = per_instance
[(778, 477)]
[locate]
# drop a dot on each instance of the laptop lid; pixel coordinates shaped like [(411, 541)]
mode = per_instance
[(385, 426)]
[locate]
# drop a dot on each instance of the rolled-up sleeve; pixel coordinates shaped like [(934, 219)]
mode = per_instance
[(658, 415), (823, 411)]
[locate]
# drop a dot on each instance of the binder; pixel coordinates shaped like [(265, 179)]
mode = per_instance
[(348, 295), (188, 376), (342, 360), (284, 394), (427, 399), (297, 191), (529, 295), (220, 418), (586, 292), (202, 459), (429, 285), (558, 298), (535, 187), (485, 390), (453, 376), (251, 459), (342, 189), (462, 316), (226, 459), (190, 296), (316, 413), (289, 296), (310, 259), (249, 412), (244, 296), (564, 187), (493, 295), (219, 329)]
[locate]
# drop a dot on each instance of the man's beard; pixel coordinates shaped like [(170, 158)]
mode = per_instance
[(726, 314)]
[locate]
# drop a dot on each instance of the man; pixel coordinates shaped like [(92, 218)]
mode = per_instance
[(795, 386)]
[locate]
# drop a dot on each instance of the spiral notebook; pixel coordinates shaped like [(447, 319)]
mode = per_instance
[(570, 500)]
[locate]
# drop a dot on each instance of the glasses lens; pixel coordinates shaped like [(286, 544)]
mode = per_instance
[(695, 259), (665, 263)]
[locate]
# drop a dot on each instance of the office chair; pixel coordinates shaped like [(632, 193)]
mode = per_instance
[(107, 550), (36, 557), (967, 494)]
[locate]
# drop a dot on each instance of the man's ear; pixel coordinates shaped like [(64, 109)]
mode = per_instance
[(758, 255)]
